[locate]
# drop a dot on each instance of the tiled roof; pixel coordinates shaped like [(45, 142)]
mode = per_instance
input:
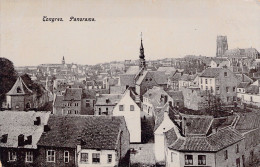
[(252, 89), (176, 77), (243, 78), (176, 95), (154, 95), (117, 89), (23, 88), (197, 125), (73, 94), (159, 77), (187, 77), (97, 132), (216, 141), (243, 84), (141, 77), (89, 94), (15, 123), (113, 99), (248, 121), (127, 79), (211, 72), (219, 60)]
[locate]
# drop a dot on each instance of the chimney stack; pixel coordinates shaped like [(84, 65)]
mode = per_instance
[(4, 138), (38, 121), (29, 139), (46, 128), (21, 140)]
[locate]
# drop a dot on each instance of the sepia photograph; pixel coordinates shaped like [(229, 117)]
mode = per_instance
[(133, 83)]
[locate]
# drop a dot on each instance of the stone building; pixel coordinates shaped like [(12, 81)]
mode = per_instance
[(221, 83), (20, 97), (222, 45)]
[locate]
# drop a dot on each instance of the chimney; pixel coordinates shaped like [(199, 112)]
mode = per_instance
[(4, 138), (183, 125), (165, 99), (38, 121), (46, 128), (21, 140), (170, 103), (29, 139)]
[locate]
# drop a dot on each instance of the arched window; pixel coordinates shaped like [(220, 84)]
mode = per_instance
[(18, 89)]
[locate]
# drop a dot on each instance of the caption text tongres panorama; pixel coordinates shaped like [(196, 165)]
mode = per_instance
[(72, 18)]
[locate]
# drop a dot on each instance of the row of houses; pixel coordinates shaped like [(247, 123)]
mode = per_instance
[(42, 139)]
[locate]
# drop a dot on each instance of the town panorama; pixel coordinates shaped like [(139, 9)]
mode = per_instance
[(173, 112)]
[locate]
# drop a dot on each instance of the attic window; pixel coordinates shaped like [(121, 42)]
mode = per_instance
[(18, 89), (225, 74)]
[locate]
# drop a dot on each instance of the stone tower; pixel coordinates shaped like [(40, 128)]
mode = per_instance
[(63, 60), (142, 57), (222, 45)]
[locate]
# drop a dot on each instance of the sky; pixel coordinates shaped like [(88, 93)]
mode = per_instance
[(170, 28)]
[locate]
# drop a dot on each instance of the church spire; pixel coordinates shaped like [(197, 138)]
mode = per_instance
[(141, 56), (63, 60)]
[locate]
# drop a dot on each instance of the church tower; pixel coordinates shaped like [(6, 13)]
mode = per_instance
[(63, 60), (141, 56), (222, 45)]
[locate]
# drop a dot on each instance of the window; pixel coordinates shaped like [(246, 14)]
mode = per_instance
[(76, 104), (211, 89), (206, 87), (121, 107), (132, 107), (50, 156), (201, 80), (69, 111), (201, 159), (206, 81), (251, 98), (66, 156), (238, 162), (99, 111), (109, 158), (18, 90), (84, 157), (234, 89), (202, 87), (227, 99), (226, 154), (172, 156), (12, 155), (225, 74), (227, 89), (234, 98), (210, 80), (96, 158), (237, 148), (188, 160), (76, 111), (29, 156)]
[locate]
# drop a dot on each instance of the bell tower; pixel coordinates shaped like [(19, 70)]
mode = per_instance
[(141, 56), (222, 45)]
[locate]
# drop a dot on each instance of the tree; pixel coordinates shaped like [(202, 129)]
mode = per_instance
[(32, 85), (7, 77)]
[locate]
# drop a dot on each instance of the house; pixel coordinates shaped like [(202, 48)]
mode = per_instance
[(20, 97), (177, 97), (84, 141), (168, 70), (163, 123), (249, 95), (187, 80), (88, 102), (193, 142), (154, 98), (128, 108), (173, 81), (19, 136), (195, 99), (72, 101), (105, 103), (219, 62), (220, 82)]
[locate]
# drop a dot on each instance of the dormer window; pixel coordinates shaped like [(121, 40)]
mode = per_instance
[(18, 89)]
